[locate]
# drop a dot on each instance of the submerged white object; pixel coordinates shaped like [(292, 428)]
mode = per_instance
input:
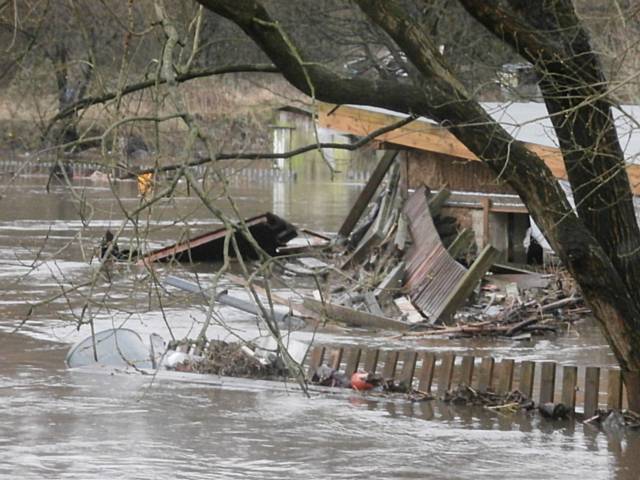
[(118, 347)]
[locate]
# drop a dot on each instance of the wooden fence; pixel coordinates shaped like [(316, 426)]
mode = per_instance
[(581, 389)]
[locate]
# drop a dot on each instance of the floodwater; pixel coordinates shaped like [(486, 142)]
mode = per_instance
[(60, 423)]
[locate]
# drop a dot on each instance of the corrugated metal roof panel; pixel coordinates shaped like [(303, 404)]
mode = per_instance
[(432, 273)]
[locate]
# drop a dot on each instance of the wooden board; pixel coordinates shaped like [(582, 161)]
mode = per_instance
[(446, 373), (591, 391), (505, 376), (353, 317), (485, 374), (547, 382), (425, 378), (527, 371), (569, 384)]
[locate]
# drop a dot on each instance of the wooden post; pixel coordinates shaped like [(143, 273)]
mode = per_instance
[(353, 360), (315, 360), (591, 391), (466, 370), (389, 369), (426, 372), (485, 375), (437, 201), (408, 368), (446, 373), (461, 243), (367, 193), (547, 382), (486, 208), (505, 379), (614, 389), (569, 383), (527, 371), (467, 283), (371, 361), (336, 359)]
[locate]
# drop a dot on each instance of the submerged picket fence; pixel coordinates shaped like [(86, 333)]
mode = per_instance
[(581, 389)]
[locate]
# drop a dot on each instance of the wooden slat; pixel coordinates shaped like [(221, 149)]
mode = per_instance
[(351, 316), (336, 358), (614, 389), (547, 382), (569, 383), (425, 378), (408, 368), (527, 371), (505, 376), (390, 362), (371, 361), (315, 359), (367, 193), (446, 373), (485, 374), (591, 391), (353, 361), (461, 291), (466, 370)]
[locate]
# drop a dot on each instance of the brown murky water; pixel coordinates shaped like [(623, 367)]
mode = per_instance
[(58, 423)]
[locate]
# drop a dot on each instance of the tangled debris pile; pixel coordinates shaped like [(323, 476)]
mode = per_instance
[(465, 395), (614, 420), (232, 359), (401, 267)]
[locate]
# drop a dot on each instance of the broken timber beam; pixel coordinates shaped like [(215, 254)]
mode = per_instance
[(437, 201), (461, 243), (367, 193), (353, 317), (467, 283)]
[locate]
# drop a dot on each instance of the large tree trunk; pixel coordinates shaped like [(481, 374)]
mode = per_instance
[(438, 95)]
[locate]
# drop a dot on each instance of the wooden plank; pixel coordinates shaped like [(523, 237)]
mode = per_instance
[(466, 370), (425, 378), (336, 358), (437, 201), (367, 193), (389, 368), (467, 283), (485, 374), (614, 389), (353, 317), (315, 359), (547, 382), (461, 243), (505, 377), (372, 304), (353, 360), (391, 284), (371, 361), (569, 384), (446, 373), (409, 358), (527, 371), (591, 391)]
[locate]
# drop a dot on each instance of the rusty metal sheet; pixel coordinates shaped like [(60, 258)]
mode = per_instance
[(432, 273)]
